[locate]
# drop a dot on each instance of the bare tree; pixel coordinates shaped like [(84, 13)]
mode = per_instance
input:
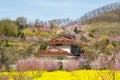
[(22, 21)]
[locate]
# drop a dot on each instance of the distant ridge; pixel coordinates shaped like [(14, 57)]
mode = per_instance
[(99, 11)]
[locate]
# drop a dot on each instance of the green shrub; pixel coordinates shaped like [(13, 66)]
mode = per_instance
[(8, 28)]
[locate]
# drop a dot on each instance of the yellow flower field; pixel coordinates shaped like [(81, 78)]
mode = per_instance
[(62, 75)]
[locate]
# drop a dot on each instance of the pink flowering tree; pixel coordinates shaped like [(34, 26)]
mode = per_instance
[(71, 65)]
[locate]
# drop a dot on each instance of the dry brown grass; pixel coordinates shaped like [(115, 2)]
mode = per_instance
[(106, 28)]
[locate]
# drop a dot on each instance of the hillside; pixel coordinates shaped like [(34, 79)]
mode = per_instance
[(104, 20), (112, 16), (105, 28), (107, 13)]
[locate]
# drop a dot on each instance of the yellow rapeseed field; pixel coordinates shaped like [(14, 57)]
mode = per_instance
[(62, 75)]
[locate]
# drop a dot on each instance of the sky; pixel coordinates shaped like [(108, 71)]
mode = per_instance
[(49, 9)]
